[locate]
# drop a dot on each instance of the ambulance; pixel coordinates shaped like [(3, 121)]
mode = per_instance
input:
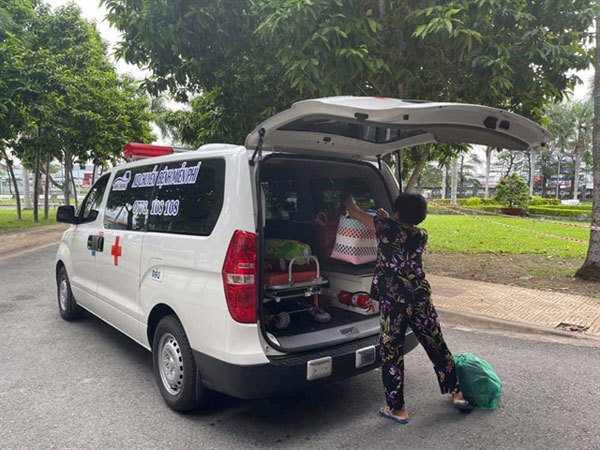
[(217, 260)]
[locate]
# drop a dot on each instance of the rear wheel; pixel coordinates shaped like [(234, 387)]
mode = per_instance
[(175, 368), (67, 306)]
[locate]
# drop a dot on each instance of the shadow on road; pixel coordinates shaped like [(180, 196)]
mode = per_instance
[(337, 403)]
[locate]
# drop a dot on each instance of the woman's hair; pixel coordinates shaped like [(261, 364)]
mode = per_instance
[(410, 208)]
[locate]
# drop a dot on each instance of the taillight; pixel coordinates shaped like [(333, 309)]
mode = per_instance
[(239, 277)]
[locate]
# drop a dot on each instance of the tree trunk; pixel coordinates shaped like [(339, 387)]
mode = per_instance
[(36, 185), (11, 172), (488, 162), (381, 8), (558, 175), (26, 189), (575, 184), (461, 177), (74, 188), (418, 168), (66, 186), (444, 181), (543, 186), (93, 175), (531, 158), (591, 267), (399, 169), (454, 180), (511, 162), (47, 189)]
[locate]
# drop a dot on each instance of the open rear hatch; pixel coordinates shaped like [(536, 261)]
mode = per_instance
[(369, 126), (355, 128)]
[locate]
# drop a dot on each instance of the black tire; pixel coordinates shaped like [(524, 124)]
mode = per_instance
[(181, 388), (68, 307)]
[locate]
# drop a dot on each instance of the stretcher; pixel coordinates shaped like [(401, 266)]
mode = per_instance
[(289, 293), (293, 284)]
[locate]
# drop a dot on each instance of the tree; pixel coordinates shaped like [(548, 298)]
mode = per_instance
[(16, 18), (512, 191), (546, 163), (583, 113), (79, 109), (590, 270), (251, 58)]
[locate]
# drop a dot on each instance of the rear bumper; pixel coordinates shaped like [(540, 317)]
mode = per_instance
[(287, 373)]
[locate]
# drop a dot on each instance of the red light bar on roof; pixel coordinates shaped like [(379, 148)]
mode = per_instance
[(136, 150)]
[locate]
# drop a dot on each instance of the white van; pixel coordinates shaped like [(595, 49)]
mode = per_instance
[(170, 249)]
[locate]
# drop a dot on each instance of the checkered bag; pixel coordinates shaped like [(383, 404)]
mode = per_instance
[(355, 243)]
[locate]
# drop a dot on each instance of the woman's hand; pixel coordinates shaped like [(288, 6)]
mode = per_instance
[(351, 205), (355, 212), (383, 213)]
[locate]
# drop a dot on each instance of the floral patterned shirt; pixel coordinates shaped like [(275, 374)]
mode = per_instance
[(399, 275)]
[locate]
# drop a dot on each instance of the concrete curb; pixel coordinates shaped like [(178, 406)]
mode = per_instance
[(494, 324)]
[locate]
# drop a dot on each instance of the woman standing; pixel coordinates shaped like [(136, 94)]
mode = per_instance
[(404, 297)]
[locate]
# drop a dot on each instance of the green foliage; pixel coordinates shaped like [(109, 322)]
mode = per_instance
[(512, 191), (473, 201), (250, 58), (560, 212), (536, 200)]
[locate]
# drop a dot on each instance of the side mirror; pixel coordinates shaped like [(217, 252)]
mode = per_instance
[(66, 214)]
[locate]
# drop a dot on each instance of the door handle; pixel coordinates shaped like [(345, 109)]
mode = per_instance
[(95, 243)]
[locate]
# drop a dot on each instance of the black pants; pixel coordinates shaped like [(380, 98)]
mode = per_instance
[(423, 319)]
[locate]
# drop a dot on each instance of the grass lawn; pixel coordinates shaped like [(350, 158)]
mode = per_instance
[(9, 222), (462, 234), (470, 248)]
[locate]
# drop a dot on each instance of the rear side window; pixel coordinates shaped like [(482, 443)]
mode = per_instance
[(188, 197), (129, 197)]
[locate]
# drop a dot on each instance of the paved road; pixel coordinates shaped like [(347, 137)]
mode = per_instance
[(83, 385)]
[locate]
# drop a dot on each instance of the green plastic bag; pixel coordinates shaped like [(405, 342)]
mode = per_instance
[(477, 380)]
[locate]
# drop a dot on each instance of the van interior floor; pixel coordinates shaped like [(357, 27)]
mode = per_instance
[(304, 323)]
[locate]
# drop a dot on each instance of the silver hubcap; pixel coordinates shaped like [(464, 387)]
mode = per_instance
[(63, 294), (170, 364)]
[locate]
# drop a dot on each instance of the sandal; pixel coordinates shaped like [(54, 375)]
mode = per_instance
[(463, 406), (387, 413)]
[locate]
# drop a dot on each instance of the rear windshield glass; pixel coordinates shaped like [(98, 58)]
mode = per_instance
[(364, 131)]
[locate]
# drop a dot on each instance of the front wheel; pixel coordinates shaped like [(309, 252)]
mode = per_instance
[(67, 306), (175, 368)]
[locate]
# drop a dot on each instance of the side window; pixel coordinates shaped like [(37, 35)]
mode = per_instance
[(329, 194), (188, 197), (129, 198), (90, 207), (281, 198)]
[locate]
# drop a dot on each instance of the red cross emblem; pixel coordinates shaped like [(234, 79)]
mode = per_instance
[(116, 250)]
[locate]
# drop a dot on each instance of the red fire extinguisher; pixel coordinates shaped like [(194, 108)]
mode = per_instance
[(356, 299)]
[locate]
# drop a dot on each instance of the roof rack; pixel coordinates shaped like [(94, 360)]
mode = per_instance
[(135, 150)]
